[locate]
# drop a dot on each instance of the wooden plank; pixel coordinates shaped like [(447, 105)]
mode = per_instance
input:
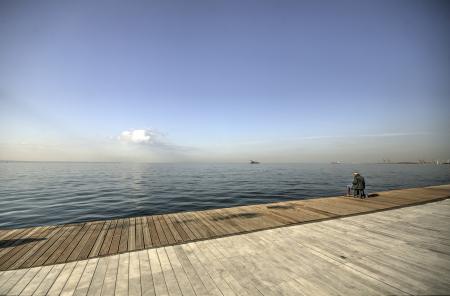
[(139, 234), (191, 273), (9, 247), (271, 218), (225, 228), (169, 276), (219, 227), (376, 204), (392, 276), (181, 228), (180, 275), (146, 233), (134, 276), (72, 244), (165, 228), (153, 233), (74, 278), (123, 244), (399, 197), (121, 224), (214, 227), (64, 249), (248, 218), (132, 234), (48, 281), (12, 235), (7, 232), (175, 233), (217, 266), (109, 284), (8, 284), (178, 220), (58, 243), (256, 218), (86, 278), (122, 274), (304, 206), (95, 288), (84, 254), (246, 279), (200, 269), (24, 281), (19, 251), (1, 276), (338, 208), (287, 217), (383, 198), (161, 236), (223, 217), (212, 271), (231, 214), (302, 214), (36, 281), (282, 215), (190, 222), (42, 251), (100, 239), (74, 255), (240, 280), (106, 245), (416, 269), (61, 280), (417, 194), (147, 284), (364, 204), (43, 258), (201, 226), (157, 273)]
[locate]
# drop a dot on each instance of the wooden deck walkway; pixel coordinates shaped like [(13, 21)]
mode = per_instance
[(49, 245), (400, 252)]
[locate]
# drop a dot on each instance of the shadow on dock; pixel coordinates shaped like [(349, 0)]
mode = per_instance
[(241, 215), (16, 242), (281, 207)]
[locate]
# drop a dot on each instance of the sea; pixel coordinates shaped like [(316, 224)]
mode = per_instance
[(46, 193)]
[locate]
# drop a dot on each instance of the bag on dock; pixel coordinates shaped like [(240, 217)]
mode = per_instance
[(349, 190)]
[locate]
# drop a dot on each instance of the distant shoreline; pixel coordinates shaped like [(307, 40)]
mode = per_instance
[(135, 162)]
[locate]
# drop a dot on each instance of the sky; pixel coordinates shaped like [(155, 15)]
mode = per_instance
[(224, 81)]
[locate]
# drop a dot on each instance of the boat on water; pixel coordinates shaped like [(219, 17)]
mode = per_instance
[(254, 162)]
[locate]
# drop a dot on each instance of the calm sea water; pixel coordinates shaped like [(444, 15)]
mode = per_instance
[(42, 193)]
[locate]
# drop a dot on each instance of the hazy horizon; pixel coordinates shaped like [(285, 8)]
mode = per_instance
[(225, 81), (197, 162)]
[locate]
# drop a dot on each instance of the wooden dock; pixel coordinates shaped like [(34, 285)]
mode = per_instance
[(405, 251), (49, 245)]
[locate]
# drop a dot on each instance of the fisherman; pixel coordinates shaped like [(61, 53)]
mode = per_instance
[(359, 184)]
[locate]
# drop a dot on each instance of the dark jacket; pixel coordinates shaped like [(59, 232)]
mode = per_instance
[(359, 183)]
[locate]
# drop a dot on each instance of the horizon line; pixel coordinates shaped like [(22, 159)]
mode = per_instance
[(229, 162)]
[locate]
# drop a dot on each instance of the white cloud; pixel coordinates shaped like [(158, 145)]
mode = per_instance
[(150, 145), (140, 136)]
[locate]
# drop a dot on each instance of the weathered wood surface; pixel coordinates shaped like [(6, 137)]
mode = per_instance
[(48, 245), (399, 252)]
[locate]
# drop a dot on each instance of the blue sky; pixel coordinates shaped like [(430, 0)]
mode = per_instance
[(215, 81)]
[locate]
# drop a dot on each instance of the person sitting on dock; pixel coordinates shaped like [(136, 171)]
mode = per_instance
[(359, 184)]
